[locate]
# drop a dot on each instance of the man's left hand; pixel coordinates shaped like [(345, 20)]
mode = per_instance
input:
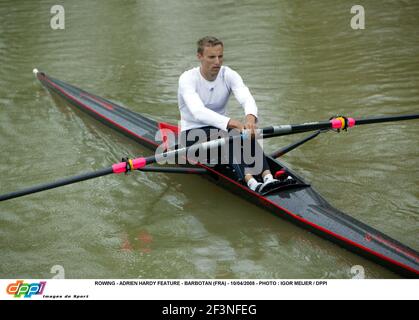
[(250, 124)]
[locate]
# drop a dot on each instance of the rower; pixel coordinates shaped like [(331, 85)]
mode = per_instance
[(203, 94)]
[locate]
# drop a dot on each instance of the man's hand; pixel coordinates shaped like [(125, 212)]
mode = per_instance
[(235, 124), (250, 124)]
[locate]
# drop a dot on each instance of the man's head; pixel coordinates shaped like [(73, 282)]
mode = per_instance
[(210, 53)]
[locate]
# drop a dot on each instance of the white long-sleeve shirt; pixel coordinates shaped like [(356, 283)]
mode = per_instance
[(203, 103)]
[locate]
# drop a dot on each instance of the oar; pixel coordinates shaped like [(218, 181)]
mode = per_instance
[(335, 123), (139, 163), (56, 184), (183, 170), (95, 174), (125, 166), (280, 152)]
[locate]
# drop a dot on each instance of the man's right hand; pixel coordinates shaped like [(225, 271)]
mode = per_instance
[(235, 124)]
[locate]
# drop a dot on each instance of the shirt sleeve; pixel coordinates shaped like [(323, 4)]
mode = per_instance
[(242, 93), (197, 108)]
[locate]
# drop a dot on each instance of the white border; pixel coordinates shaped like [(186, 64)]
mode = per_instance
[(205, 289)]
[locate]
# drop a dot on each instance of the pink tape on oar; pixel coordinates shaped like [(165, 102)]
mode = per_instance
[(338, 124), (139, 163), (121, 167)]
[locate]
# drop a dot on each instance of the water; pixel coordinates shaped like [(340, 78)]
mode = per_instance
[(302, 62)]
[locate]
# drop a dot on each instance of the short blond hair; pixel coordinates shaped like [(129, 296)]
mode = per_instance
[(208, 41)]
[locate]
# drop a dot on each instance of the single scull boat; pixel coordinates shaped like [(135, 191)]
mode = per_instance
[(297, 202)]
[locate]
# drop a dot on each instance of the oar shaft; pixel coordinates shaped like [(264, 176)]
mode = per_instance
[(56, 184), (175, 170), (386, 119), (276, 131), (284, 150), (336, 123)]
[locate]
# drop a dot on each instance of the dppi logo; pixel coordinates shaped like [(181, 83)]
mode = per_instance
[(27, 290)]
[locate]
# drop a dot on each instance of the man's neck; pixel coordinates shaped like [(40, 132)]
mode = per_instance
[(207, 77)]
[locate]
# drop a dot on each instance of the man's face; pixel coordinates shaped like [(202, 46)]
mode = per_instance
[(211, 61)]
